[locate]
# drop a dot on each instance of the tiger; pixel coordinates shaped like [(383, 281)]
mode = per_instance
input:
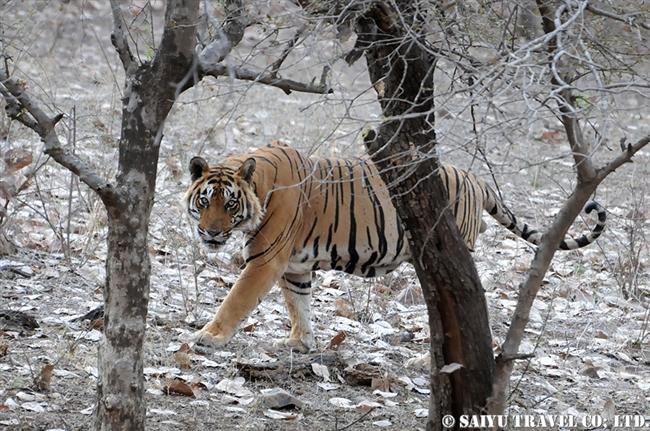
[(300, 214)]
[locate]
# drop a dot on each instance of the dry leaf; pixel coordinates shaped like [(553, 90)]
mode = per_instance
[(343, 309), (609, 411), (421, 413), (328, 386), (250, 328), (17, 159), (337, 341), (178, 387), (382, 384), (384, 394), (42, 382), (382, 289), (185, 348), (182, 356), (552, 136), (342, 402), (97, 324), (7, 189), (450, 368), (321, 371), (87, 410), (274, 414), (33, 406), (366, 406), (183, 360), (101, 126), (234, 387), (277, 398)]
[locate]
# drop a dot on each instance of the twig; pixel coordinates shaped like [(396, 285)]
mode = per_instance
[(286, 85), (356, 421), (628, 151), (514, 357), (290, 45), (626, 19), (73, 139), (208, 61)]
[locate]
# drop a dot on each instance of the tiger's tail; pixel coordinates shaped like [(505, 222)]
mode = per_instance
[(508, 220)]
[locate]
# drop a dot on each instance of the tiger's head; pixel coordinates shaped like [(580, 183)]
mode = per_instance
[(221, 200)]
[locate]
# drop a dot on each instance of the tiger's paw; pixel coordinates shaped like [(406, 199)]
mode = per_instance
[(204, 338), (290, 343)]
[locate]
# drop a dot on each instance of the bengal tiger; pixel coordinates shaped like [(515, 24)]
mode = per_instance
[(302, 214)]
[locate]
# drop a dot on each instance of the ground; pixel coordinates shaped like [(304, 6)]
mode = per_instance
[(588, 329)]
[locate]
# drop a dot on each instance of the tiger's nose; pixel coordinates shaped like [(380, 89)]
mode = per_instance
[(213, 232)]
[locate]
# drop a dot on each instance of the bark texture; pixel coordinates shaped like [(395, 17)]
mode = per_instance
[(150, 92), (404, 149)]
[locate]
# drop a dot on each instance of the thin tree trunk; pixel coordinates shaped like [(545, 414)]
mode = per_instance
[(149, 95), (589, 177)]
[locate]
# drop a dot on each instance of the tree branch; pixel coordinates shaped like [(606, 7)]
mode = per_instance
[(210, 58), (601, 12), (119, 40), (286, 85), (580, 149), (588, 179), (628, 153), (275, 67), (20, 107)]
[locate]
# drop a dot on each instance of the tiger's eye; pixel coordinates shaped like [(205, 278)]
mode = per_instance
[(231, 204), (204, 202)]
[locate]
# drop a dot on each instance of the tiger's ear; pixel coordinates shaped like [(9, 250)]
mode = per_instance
[(247, 169), (198, 166)]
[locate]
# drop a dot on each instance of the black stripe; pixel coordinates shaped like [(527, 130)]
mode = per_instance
[(328, 243), (299, 284), (334, 257), (352, 243), (315, 247), (368, 263), (311, 231)]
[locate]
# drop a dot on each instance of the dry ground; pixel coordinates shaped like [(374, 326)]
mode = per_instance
[(588, 329)]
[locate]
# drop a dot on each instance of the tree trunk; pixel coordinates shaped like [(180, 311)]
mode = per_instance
[(149, 95), (402, 73)]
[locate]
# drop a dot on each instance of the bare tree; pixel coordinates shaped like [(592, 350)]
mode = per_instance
[(564, 86), (151, 88)]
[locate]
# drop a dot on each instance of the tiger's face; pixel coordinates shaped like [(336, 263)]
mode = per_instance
[(221, 200)]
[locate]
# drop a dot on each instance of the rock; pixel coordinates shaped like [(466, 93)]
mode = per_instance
[(277, 398)]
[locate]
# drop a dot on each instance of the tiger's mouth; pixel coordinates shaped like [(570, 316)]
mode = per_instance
[(213, 243)]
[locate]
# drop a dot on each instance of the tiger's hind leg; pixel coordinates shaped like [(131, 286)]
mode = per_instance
[(296, 289)]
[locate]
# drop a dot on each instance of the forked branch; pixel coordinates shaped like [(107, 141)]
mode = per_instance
[(22, 108)]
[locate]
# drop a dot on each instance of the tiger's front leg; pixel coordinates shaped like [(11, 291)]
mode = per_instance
[(250, 289), (296, 289)]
